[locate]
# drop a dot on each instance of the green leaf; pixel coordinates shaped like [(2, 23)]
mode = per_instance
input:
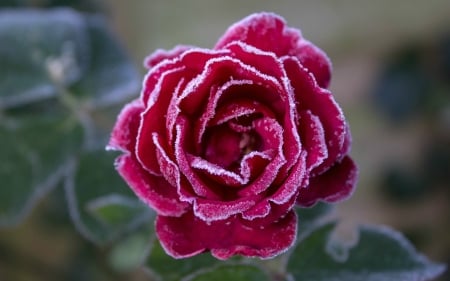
[(170, 269), (311, 216), (102, 206), (131, 252), (34, 156), (110, 78), (32, 41), (83, 5), (380, 254), (48, 49), (114, 209), (231, 272)]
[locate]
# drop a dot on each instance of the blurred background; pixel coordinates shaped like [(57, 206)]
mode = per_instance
[(391, 62)]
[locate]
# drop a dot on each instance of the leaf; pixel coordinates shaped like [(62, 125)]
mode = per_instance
[(82, 5), (231, 272), (170, 269), (34, 156), (309, 217), (31, 40), (130, 253), (380, 254), (101, 205), (110, 78), (114, 209), (47, 49)]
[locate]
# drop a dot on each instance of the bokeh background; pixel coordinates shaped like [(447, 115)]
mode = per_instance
[(391, 62)]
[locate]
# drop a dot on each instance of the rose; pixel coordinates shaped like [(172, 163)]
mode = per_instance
[(223, 143)]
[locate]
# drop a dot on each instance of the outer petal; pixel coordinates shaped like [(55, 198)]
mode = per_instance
[(332, 186), (313, 139), (282, 200), (152, 190), (124, 133), (187, 236), (268, 32), (160, 55), (321, 104)]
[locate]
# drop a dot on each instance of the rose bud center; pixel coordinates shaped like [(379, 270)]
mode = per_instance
[(226, 144)]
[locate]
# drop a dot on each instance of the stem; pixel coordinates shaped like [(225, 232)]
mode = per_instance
[(56, 70)]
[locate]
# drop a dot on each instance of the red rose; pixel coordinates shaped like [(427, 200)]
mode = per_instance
[(223, 143)]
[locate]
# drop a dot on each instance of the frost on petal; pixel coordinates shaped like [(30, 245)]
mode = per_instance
[(321, 104), (213, 210), (265, 62), (160, 55), (188, 235), (334, 185), (268, 32), (218, 71), (216, 172), (315, 60), (313, 139), (200, 186), (169, 169), (124, 133), (271, 135), (153, 118), (211, 107), (290, 187), (282, 198), (153, 190), (265, 31), (265, 212), (191, 60)]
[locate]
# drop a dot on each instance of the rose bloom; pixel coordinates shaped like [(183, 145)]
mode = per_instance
[(224, 143)]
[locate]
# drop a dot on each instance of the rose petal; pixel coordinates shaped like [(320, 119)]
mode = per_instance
[(334, 185), (160, 55), (265, 31), (266, 212), (268, 32), (198, 185), (271, 135), (313, 139), (217, 173), (152, 121), (193, 60), (153, 190), (123, 136), (321, 104), (218, 71), (169, 169), (210, 109), (211, 210), (188, 235), (269, 64), (315, 60), (265, 62), (282, 200)]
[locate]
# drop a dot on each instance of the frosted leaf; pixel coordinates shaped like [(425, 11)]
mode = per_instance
[(381, 254)]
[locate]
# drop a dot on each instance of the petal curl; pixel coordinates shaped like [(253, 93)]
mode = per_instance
[(271, 134), (152, 119), (334, 185), (153, 190), (269, 32), (321, 104), (282, 199), (160, 55), (188, 235), (313, 139), (124, 133)]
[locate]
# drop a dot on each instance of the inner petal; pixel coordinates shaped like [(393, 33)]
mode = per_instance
[(225, 146)]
